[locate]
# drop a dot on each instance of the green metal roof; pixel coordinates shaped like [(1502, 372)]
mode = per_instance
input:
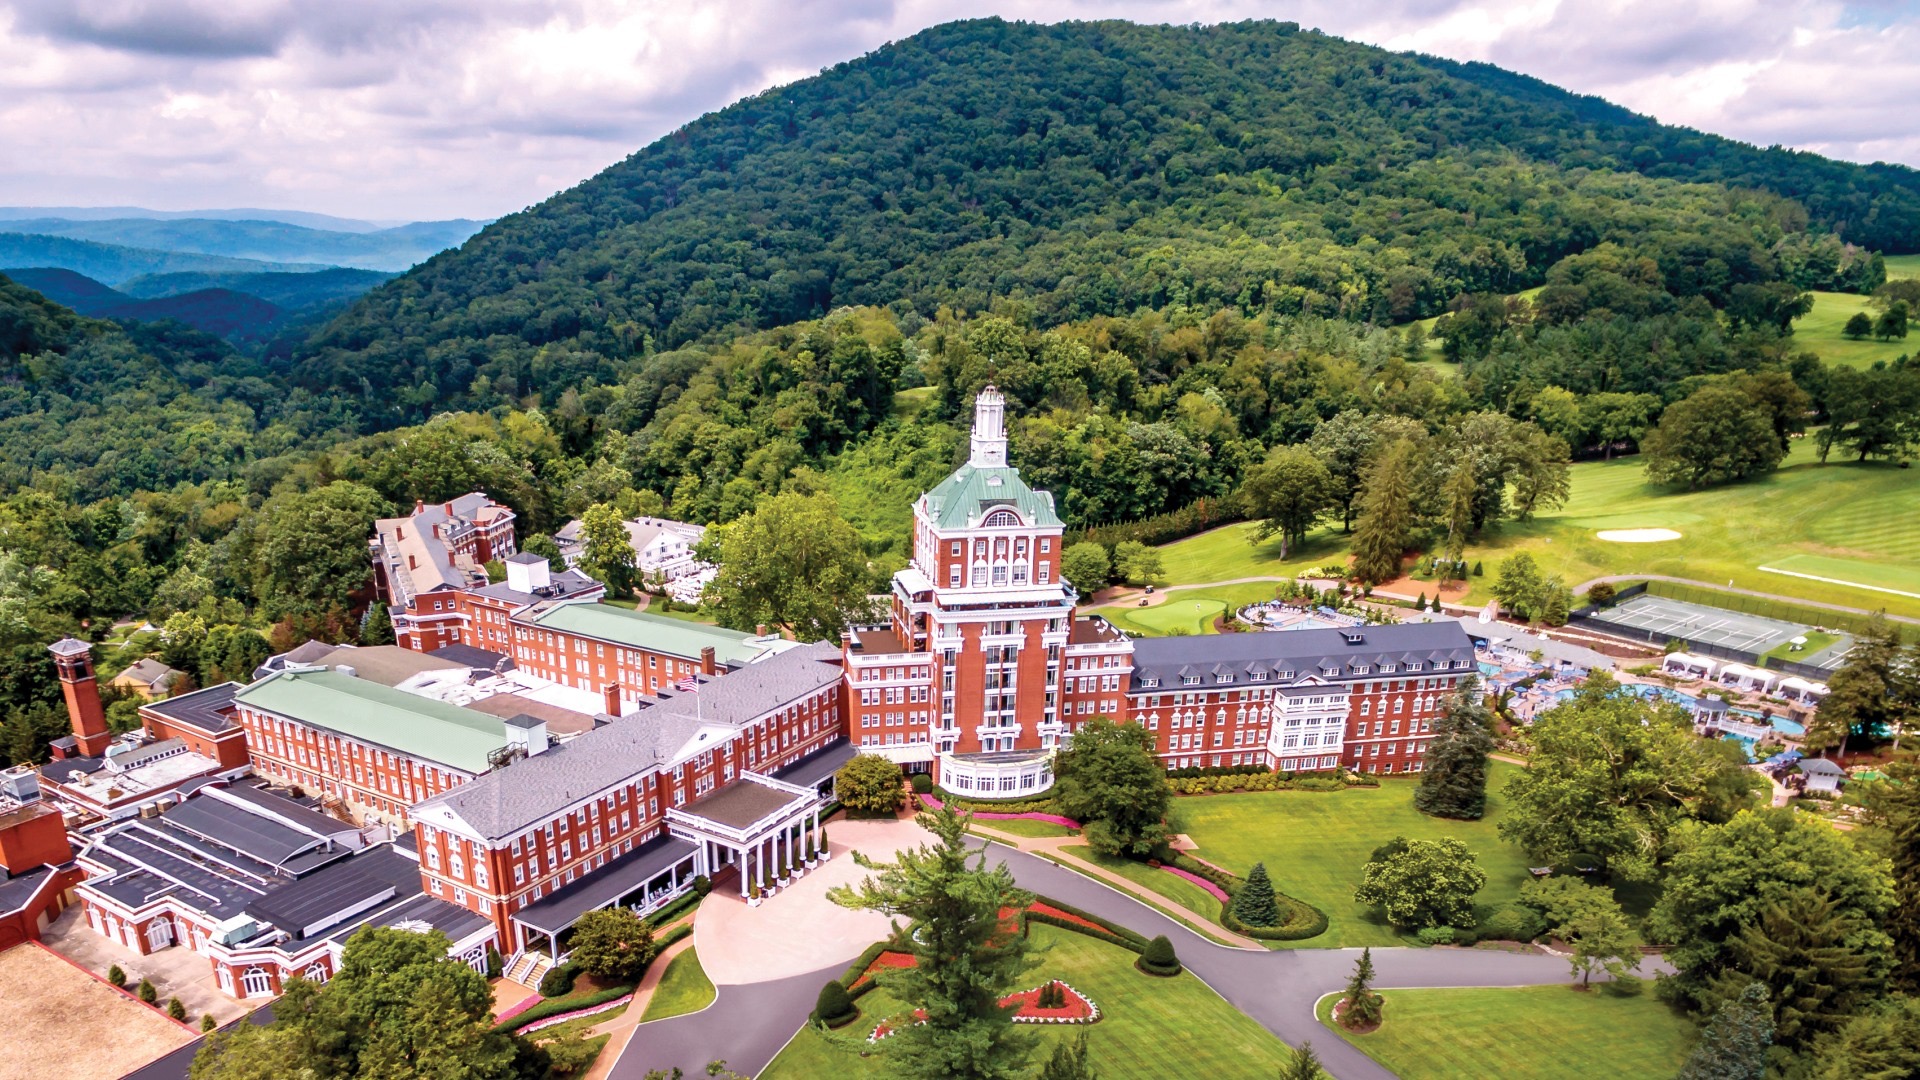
[(639, 630), (404, 723), (962, 500)]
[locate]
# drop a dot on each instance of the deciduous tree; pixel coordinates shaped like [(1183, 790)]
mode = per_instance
[(313, 549), (1723, 877), (794, 561), (1108, 778), (612, 943), (606, 551), (869, 784), (1289, 493), (1086, 567), (1613, 775), (1590, 921), (1136, 563), (1715, 435), (1421, 883)]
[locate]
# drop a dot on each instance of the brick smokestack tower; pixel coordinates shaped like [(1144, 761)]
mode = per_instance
[(74, 659)]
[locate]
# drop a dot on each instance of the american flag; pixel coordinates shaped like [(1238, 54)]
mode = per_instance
[(687, 685)]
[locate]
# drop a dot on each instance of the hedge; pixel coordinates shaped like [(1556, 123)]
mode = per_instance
[(1300, 920), (679, 906), (994, 806), (1119, 935), (1195, 517), (678, 933), (556, 1006)]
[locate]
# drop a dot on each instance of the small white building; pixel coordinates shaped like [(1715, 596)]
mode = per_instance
[(1821, 774), (1687, 664)]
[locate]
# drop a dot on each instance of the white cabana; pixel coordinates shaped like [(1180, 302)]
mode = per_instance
[(1680, 663), (1794, 687), (1747, 678)]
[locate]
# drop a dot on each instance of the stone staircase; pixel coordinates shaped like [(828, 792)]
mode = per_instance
[(528, 968)]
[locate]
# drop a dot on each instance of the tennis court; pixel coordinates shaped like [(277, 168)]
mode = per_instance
[(1662, 617)]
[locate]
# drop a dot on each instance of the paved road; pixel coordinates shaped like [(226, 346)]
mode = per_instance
[(748, 1025)]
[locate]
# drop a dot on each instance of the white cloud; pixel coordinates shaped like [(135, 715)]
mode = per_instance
[(433, 108)]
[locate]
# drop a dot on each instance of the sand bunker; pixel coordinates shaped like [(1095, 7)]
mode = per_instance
[(1637, 536)]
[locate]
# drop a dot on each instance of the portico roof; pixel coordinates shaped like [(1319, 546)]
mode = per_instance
[(740, 806)]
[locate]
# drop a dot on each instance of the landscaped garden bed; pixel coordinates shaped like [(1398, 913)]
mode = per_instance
[(1052, 1002)]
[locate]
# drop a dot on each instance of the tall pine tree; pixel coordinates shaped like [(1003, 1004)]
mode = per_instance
[(965, 961), (1804, 951), (1360, 1007), (1453, 779), (1734, 1045), (1305, 1065), (1070, 1061), (1386, 515), (1254, 904), (1861, 696)]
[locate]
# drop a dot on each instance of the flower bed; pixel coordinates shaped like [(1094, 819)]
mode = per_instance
[(887, 959), (1044, 908), (590, 1010), (1218, 892), (519, 1007), (1079, 1009), (933, 803)]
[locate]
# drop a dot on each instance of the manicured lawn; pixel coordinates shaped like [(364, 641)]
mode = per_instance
[(1819, 331), (1316, 845), (1025, 827), (1227, 553), (683, 989), (1525, 1031), (1172, 886), (1882, 575), (1816, 641), (1153, 1028), (1186, 611)]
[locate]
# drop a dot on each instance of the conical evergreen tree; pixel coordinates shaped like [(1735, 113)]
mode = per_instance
[(1361, 1006), (1255, 904), (1734, 1045), (1069, 1062), (1304, 1066), (1804, 951), (1386, 515), (1903, 923), (833, 1005), (1453, 779)]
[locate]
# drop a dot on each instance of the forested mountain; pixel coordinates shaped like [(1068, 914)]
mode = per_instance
[(264, 241), (1090, 169), (115, 263), (245, 308)]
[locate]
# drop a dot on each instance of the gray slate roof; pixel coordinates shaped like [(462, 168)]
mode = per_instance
[(1304, 652), (207, 709), (531, 790)]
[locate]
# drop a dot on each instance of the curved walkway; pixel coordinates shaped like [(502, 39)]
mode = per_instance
[(749, 1024), (1612, 578)]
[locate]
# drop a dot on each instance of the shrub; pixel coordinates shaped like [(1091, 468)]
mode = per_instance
[(1436, 935), (558, 982), (1512, 922), (612, 943), (1159, 958), (922, 783), (1600, 594), (563, 1004), (870, 786), (116, 976), (493, 961), (207, 1022), (145, 992), (176, 1010), (833, 1007), (1479, 571)]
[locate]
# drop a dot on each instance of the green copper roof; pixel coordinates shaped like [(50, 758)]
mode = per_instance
[(656, 633), (418, 727), (962, 500)]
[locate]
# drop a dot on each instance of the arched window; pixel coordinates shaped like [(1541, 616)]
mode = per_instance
[(316, 973), (256, 982), (1001, 519), (433, 857), (457, 866)]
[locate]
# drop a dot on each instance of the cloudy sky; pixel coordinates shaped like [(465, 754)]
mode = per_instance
[(410, 109)]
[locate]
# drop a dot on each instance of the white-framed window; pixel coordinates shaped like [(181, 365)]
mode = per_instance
[(256, 982)]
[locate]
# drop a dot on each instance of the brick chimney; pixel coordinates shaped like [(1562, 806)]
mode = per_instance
[(418, 506), (73, 659), (706, 660), (611, 692)]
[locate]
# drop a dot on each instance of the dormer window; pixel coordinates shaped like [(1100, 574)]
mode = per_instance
[(1149, 682), (1286, 674), (1361, 669), (1223, 677), (1190, 680), (1414, 666), (1259, 676), (1388, 669)]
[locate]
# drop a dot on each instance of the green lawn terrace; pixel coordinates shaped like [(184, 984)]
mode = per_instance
[(1150, 1028), (1533, 1031), (1835, 527), (1316, 845)]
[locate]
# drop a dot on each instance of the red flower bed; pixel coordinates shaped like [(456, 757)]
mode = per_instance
[(886, 1026), (1077, 1010), (888, 959)]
